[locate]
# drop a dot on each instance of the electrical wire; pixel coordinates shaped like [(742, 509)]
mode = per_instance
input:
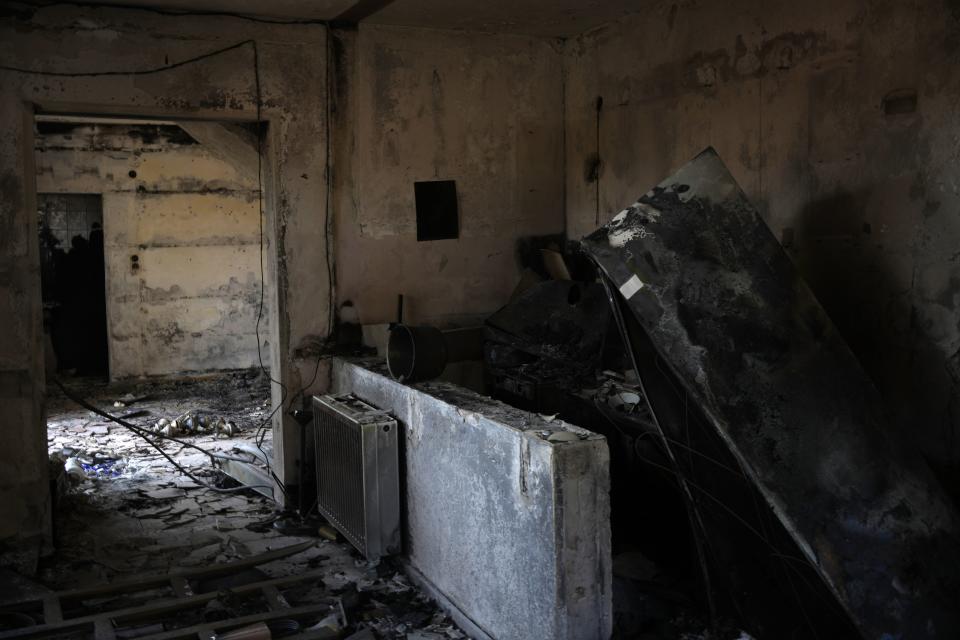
[(129, 72), (260, 434), (763, 533), (733, 514), (684, 396), (328, 218), (328, 174), (650, 434), (178, 13), (773, 549), (143, 434), (697, 527), (284, 392)]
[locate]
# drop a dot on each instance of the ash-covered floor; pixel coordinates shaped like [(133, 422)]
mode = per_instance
[(129, 513)]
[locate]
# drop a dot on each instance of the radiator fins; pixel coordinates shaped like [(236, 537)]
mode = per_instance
[(358, 473)]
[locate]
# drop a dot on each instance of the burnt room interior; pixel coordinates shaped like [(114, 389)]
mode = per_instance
[(426, 320)]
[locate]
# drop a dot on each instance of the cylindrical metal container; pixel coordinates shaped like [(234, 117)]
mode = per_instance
[(416, 353)]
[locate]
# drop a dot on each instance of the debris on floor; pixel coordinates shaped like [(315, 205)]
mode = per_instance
[(284, 591), (126, 515), (217, 412)]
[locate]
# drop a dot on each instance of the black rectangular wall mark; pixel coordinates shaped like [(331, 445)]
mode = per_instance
[(437, 215), (900, 101)]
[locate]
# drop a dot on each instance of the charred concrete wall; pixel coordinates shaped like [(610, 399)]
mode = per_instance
[(418, 105), (529, 518), (839, 119), (181, 238), (217, 86)]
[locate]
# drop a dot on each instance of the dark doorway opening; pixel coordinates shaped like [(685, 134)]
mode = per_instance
[(72, 281)]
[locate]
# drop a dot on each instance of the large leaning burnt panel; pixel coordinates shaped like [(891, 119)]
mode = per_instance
[(728, 313)]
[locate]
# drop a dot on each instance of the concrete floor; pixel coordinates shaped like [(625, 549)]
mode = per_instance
[(142, 516)]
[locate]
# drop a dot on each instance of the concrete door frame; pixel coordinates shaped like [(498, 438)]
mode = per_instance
[(127, 62), (267, 186), (266, 200), (106, 274)]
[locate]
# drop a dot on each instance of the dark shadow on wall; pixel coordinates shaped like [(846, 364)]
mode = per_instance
[(866, 286)]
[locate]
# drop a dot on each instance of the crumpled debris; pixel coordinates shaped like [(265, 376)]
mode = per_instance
[(393, 608), (107, 469), (80, 465), (152, 519), (193, 422)]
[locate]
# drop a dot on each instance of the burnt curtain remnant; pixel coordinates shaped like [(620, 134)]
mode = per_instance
[(695, 268)]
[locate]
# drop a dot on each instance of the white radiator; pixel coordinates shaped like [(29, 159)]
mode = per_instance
[(358, 466)]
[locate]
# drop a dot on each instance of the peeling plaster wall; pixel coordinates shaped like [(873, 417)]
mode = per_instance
[(792, 97), (292, 64), (190, 301), (419, 104)]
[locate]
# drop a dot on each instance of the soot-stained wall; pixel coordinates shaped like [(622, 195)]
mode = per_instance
[(220, 85), (181, 237), (839, 119), (412, 105)]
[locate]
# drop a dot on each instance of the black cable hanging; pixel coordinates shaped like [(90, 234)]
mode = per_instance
[(178, 13), (143, 433), (131, 72)]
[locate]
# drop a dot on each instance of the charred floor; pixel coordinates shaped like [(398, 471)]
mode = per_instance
[(125, 513), (428, 320)]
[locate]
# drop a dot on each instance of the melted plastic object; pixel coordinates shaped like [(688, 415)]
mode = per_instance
[(725, 309)]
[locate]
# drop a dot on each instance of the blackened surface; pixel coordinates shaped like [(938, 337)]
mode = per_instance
[(728, 313), (560, 320), (758, 574), (548, 339), (437, 217)]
